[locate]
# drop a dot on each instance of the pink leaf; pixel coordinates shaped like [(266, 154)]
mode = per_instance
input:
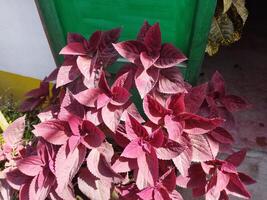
[(53, 131), (123, 165), (67, 165), (153, 109), (84, 65), (14, 132), (183, 160), (146, 194), (130, 50), (67, 73), (133, 111), (147, 170), (146, 60), (174, 128), (133, 150), (111, 116), (74, 48), (30, 165), (169, 57), (237, 158), (92, 187), (169, 150), (145, 80), (204, 148), (98, 163), (40, 193), (170, 81), (88, 97)]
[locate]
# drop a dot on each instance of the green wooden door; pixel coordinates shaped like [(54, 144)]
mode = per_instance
[(185, 23)]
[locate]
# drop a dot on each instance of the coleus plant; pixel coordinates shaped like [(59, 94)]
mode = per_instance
[(93, 143)]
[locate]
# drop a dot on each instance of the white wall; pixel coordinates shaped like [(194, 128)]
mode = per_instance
[(24, 48)]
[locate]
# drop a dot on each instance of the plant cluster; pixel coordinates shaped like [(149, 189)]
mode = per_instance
[(93, 143)]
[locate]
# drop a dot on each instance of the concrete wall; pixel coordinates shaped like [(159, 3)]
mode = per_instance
[(24, 48)]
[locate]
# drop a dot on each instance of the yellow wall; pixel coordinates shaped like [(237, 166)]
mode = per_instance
[(16, 85)]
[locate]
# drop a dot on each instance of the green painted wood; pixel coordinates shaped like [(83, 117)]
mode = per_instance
[(203, 18), (185, 23)]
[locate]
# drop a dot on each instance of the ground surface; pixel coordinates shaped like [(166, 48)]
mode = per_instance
[(244, 67)]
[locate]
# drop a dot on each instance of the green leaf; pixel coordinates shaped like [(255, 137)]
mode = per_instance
[(226, 5), (241, 9), (222, 30), (3, 122)]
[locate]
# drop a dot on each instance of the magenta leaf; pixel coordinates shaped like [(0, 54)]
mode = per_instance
[(153, 109), (234, 103), (222, 136), (176, 103), (94, 136), (217, 83), (134, 129), (143, 30), (168, 180), (237, 158), (195, 97), (156, 138), (246, 179), (196, 125), (119, 96), (153, 39), (237, 188)]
